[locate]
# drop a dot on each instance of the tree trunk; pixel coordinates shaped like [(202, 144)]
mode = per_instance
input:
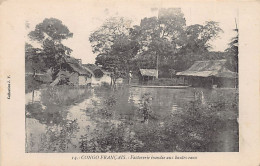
[(127, 73), (33, 96), (34, 73), (114, 83), (111, 81)]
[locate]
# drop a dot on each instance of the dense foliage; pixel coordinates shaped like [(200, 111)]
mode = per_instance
[(49, 34), (165, 39), (198, 127), (232, 52)]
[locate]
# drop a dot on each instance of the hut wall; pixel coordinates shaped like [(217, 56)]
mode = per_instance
[(88, 80), (227, 82), (200, 81), (145, 79), (82, 80), (210, 81), (74, 79), (105, 78)]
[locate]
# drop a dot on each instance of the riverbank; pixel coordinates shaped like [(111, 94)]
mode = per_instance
[(157, 86), (166, 82)]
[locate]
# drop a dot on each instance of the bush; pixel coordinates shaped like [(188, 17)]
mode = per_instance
[(37, 82), (58, 139), (63, 95), (31, 84), (105, 85), (197, 128), (110, 138), (46, 115)]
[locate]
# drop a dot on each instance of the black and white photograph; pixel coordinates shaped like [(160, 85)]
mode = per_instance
[(118, 80)]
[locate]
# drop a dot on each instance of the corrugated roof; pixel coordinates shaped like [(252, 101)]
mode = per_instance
[(209, 68), (149, 72)]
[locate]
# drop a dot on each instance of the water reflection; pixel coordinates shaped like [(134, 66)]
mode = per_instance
[(58, 128), (165, 101)]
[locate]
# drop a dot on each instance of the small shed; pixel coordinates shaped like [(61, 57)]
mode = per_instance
[(148, 74), (209, 73)]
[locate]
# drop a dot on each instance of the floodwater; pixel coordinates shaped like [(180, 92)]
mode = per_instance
[(61, 129)]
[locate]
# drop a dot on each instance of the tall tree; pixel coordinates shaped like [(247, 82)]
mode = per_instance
[(165, 39), (50, 34), (160, 37), (114, 47), (232, 51), (33, 59), (197, 44)]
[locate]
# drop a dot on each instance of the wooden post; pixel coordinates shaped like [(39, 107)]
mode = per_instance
[(157, 67)]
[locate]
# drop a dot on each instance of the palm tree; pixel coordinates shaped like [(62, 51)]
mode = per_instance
[(232, 51)]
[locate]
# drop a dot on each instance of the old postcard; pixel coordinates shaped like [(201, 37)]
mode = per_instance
[(129, 82)]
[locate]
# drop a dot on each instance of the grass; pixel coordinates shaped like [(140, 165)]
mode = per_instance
[(64, 95), (199, 127), (37, 82)]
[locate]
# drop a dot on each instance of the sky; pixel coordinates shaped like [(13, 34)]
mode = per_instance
[(84, 20)]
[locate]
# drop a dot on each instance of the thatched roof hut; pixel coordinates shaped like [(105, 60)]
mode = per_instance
[(73, 73), (75, 66)]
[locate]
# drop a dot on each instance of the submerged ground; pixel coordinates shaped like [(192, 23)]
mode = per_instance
[(64, 119)]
